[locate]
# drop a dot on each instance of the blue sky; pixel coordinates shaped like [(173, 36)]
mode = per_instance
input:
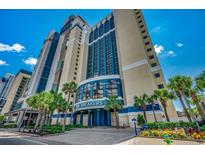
[(178, 36)]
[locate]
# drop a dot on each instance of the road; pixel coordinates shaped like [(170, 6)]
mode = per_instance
[(12, 138)]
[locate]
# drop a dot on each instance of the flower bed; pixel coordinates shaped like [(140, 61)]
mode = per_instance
[(183, 134)]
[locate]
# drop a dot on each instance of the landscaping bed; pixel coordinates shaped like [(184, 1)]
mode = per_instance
[(174, 130)]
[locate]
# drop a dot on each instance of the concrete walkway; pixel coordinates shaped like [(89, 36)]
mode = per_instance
[(92, 136), (156, 141)]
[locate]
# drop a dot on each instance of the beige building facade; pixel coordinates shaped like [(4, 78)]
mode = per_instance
[(114, 57), (17, 89)]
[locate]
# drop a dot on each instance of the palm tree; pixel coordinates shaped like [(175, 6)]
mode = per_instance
[(40, 102), (178, 85), (196, 99), (68, 89), (141, 101), (164, 96), (151, 99), (114, 104), (57, 103), (200, 81)]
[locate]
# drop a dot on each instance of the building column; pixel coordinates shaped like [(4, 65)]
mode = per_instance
[(81, 117), (103, 117), (89, 118), (74, 118), (108, 118), (98, 117)]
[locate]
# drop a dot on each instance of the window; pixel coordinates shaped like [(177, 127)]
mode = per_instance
[(151, 57), (157, 75), (154, 64), (98, 90), (146, 43), (145, 37), (139, 21), (76, 59), (74, 78), (75, 73), (141, 26), (137, 12), (77, 55), (149, 49), (76, 68), (160, 86), (143, 31), (138, 17), (76, 64)]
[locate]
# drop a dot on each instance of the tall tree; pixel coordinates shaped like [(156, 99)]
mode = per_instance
[(141, 102), (196, 99), (178, 85), (151, 100), (69, 89), (114, 104), (164, 96), (200, 82), (40, 102)]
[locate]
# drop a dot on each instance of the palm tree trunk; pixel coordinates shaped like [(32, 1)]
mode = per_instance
[(145, 115), (166, 114), (64, 121), (117, 119), (57, 118), (185, 109), (155, 118), (200, 109), (42, 122), (50, 118), (192, 114)]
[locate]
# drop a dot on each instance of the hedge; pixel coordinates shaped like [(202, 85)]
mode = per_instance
[(163, 125)]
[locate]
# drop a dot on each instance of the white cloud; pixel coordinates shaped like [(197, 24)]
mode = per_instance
[(13, 48), (156, 29), (3, 63), (158, 48), (179, 45), (30, 61), (171, 53)]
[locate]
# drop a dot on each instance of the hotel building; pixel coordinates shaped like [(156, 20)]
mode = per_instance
[(5, 86), (114, 57), (37, 82), (16, 90)]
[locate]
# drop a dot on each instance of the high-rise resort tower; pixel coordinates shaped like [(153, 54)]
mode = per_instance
[(16, 90), (5, 86), (114, 57), (38, 79)]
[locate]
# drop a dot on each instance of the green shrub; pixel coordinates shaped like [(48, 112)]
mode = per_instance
[(53, 129), (202, 128), (9, 125), (163, 125), (140, 119), (2, 119)]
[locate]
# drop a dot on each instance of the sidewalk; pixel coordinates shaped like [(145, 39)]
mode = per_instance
[(156, 141)]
